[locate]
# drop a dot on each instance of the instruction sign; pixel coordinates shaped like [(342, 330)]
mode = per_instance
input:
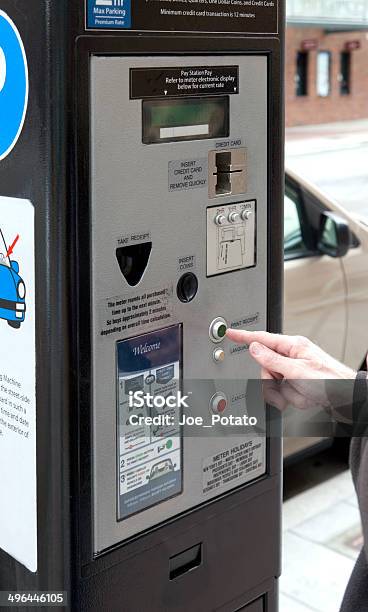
[(13, 85), (18, 508), (183, 81), (188, 174), (243, 462), (149, 451), (241, 16), (131, 313)]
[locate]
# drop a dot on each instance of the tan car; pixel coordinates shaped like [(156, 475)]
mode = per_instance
[(326, 285)]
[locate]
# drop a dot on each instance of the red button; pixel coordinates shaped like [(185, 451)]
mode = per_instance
[(221, 406)]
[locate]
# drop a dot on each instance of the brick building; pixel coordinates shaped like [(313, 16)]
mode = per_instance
[(326, 64)]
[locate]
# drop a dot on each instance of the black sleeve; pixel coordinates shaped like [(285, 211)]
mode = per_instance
[(360, 405)]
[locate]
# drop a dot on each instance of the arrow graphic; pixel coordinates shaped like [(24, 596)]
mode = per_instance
[(11, 248)]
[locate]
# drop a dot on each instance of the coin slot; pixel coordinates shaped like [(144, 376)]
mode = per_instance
[(187, 287)]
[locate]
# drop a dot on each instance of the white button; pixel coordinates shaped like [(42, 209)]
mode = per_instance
[(219, 355), (246, 214), (218, 403), (220, 219), (234, 217)]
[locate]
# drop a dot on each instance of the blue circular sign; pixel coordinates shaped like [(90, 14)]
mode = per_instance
[(13, 85)]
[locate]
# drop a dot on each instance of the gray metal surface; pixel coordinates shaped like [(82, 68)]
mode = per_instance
[(130, 194)]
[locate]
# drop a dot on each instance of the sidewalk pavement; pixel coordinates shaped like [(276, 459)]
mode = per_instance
[(321, 538), (312, 139)]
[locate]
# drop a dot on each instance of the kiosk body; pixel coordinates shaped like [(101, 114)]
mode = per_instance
[(153, 158)]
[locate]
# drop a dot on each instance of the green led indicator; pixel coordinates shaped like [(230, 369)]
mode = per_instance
[(169, 444), (221, 331)]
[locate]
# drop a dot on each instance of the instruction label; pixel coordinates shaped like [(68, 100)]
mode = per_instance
[(240, 464), (186, 262), (149, 455), (188, 174), (18, 507), (109, 14), (242, 16), (247, 321), (136, 311), (133, 238), (185, 81)]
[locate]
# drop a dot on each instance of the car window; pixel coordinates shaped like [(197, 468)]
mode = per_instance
[(292, 229), (293, 235), (4, 261)]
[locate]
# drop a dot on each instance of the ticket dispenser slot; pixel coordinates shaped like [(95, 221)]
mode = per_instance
[(133, 261), (185, 562)]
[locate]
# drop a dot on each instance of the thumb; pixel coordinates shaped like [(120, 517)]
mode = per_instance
[(274, 362)]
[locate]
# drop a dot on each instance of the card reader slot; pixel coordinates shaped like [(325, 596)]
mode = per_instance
[(227, 172)]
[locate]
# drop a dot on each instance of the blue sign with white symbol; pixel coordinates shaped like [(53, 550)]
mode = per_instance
[(13, 85), (109, 14)]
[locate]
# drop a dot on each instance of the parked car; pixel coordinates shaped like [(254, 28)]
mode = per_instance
[(326, 285)]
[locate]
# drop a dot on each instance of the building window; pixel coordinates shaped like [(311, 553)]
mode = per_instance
[(345, 62), (323, 73), (301, 76)]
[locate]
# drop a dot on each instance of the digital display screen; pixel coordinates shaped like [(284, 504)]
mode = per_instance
[(176, 119), (149, 455)]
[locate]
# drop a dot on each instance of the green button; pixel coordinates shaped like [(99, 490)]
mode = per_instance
[(221, 332)]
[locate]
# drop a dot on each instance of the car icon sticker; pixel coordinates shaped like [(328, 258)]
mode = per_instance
[(12, 285)]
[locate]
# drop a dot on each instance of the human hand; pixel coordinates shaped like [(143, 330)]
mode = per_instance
[(295, 369)]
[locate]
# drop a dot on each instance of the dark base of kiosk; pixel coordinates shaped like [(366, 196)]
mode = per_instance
[(204, 562)]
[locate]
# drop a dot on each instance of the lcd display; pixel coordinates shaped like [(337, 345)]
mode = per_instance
[(175, 119), (149, 455)]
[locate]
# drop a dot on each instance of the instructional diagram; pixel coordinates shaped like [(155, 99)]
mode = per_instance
[(231, 247), (149, 453), (18, 508), (231, 237)]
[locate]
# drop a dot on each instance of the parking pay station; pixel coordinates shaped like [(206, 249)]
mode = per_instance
[(140, 217)]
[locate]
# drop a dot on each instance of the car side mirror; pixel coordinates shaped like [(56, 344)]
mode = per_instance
[(15, 266), (334, 237)]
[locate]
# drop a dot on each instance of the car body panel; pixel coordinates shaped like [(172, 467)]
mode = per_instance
[(326, 299), (355, 267), (315, 302)]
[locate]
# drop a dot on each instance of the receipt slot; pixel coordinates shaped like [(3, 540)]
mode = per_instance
[(150, 157)]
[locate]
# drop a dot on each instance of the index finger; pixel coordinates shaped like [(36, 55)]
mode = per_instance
[(276, 342)]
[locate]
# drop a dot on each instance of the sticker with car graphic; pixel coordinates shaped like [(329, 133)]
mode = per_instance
[(18, 447), (12, 286)]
